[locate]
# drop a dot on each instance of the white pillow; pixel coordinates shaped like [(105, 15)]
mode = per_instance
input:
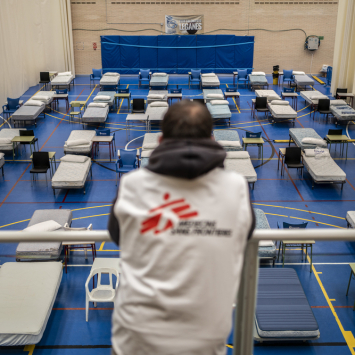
[(266, 243), (215, 96), (279, 102), (338, 103), (74, 142), (33, 103), (317, 97), (298, 72), (150, 145), (208, 74), (41, 97), (156, 96), (273, 97), (229, 143), (47, 226), (159, 74), (219, 102), (111, 74), (2, 155), (146, 153), (159, 104), (102, 98), (67, 73), (98, 104), (5, 141), (238, 155), (258, 73), (74, 158), (315, 141)]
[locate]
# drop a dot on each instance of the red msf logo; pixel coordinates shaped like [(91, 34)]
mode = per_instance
[(165, 214)]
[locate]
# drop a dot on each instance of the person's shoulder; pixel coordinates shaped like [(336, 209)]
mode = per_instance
[(134, 175), (230, 177)]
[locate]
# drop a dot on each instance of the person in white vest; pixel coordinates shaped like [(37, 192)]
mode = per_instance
[(182, 224)]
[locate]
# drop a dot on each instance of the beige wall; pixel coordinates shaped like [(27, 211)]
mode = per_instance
[(283, 48)]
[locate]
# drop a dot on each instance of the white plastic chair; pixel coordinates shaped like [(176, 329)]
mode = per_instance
[(101, 293)]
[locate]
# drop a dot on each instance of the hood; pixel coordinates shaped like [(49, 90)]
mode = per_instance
[(186, 158)]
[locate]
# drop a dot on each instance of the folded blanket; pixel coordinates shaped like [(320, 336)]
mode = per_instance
[(47, 226), (156, 96), (159, 74), (33, 103), (209, 74), (219, 102), (159, 104), (215, 96), (298, 72), (111, 74), (273, 98), (102, 98), (238, 155), (75, 142), (5, 141), (41, 97), (229, 143), (315, 141), (74, 158), (67, 73), (266, 243), (279, 102), (318, 152), (98, 104), (258, 73)]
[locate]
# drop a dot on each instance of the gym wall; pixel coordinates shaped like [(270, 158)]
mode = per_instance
[(92, 19)]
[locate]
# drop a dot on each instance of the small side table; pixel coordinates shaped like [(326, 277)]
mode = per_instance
[(293, 96), (51, 160), (123, 96), (80, 103), (335, 139), (282, 154), (235, 74), (346, 95), (23, 139), (172, 96), (259, 142), (104, 140), (281, 73), (231, 94), (136, 117), (57, 97), (352, 272)]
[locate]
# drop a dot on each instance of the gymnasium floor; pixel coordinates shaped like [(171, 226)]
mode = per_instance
[(289, 199)]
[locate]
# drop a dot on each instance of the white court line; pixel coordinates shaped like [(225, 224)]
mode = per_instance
[(132, 141)]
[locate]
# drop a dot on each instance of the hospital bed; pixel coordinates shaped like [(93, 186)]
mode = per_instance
[(282, 309), (6, 136), (150, 141), (267, 248), (72, 172), (257, 79), (63, 80), (45, 96), (342, 111), (44, 250), (282, 111), (240, 162), (157, 95), (228, 139), (79, 142), (209, 80), (322, 168), (95, 113), (111, 80), (158, 80), (298, 135), (303, 80), (212, 94), (29, 112), (219, 109), (156, 111), (145, 157), (27, 295), (107, 97)]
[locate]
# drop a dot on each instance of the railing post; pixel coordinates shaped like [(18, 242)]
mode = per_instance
[(245, 304)]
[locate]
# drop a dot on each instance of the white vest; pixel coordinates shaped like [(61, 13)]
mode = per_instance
[(182, 243)]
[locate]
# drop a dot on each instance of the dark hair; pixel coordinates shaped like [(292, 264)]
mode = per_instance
[(187, 119)]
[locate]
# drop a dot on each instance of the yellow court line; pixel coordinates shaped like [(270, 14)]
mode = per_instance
[(348, 335), (234, 100), (29, 348), (101, 246), (97, 215), (303, 108), (111, 250), (273, 214), (10, 224), (305, 114), (87, 208), (122, 102), (89, 96), (229, 346)]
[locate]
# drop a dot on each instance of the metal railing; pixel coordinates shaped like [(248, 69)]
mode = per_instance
[(246, 298)]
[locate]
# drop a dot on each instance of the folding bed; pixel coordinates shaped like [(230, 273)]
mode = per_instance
[(257, 79), (341, 111), (62, 79), (269, 94), (29, 112), (107, 97), (27, 295), (157, 95), (44, 250), (6, 136), (282, 309), (95, 113), (150, 141), (210, 80), (156, 111), (111, 80), (282, 111), (322, 168), (79, 142), (267, 248), (46, 97), (302, 80), (159, 80), (312, 98), (72, 172), (241, 163), (145, 157), (219, 109), (306, 138), (228, 139), (350, 219), (212, 94)]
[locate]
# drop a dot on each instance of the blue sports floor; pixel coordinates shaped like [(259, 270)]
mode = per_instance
[(287, 198)]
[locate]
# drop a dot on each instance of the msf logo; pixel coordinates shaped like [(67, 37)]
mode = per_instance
[(167, 215)]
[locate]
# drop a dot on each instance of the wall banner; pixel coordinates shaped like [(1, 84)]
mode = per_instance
[(184, 25)]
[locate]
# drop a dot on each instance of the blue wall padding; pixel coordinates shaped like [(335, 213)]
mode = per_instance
[(176, 54)]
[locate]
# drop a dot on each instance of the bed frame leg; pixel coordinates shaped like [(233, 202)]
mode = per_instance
[(54, 192)]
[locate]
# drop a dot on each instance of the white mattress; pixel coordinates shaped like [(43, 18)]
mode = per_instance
[(9, 133), (159, 80), (211, 91), (150, 138), (44, 93), (95, 114), (210, 80), (106, 93), (268, 94), (71, 174), (243, 167), (62, 80), (76, 134), (303, 80), (157, 92), (282, 111), (109, 80), (27, 295), (156, 113), (350, 217), (307, 95), (324, 169)]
